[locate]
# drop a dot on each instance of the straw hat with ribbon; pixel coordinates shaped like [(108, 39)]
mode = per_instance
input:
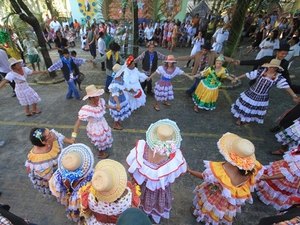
[(13, 61), (163, 137), (237, 151), (273, 63), (75, 161), (92, 91), (118, 70), (170, 59), (109, 180)]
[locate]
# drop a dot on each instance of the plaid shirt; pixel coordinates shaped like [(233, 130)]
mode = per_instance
[(58, 65)]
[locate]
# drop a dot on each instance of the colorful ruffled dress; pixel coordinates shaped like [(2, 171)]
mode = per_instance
[(276, 192), (97, 128), (291, 135), (41, 166), (25, 94), (155, 179), (163, 90), (207, 92), (253, 103), (116, 89), (104, 213), (216, 200), (68, 196)]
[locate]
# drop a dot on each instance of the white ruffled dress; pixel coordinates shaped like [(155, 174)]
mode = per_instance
[(155, 179)]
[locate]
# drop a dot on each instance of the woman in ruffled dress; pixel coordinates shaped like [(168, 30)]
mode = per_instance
[(207, 91), (253, 103), (281, 181), (75, 169), (107, 195), (41, 161), (155, 164), (119, 108), (163, 90), (97, 128), (226, 186)]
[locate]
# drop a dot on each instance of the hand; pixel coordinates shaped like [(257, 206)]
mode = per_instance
[(73, 140), (118, 107), (296, 99), (263, 177), (237, 62)]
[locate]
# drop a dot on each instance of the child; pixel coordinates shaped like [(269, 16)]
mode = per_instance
[(163, 90), (253, 103), (26, 95), (97, 128), (155, 164), (118, 105), (79, 78), (207, 92), (281, 181), (227, 185)]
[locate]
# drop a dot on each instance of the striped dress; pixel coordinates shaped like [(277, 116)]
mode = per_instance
[(97, 128), (253, 103)]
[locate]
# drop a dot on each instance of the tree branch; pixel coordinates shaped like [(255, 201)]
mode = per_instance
[(25, 8)]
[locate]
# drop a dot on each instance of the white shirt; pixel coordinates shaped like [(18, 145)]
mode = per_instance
[(294, 51), (101, 46), (221, 35), (30, 46), (4, 64), (149, 31), (55, 25)]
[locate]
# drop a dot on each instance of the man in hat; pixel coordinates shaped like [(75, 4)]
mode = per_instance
[(281, 53), (203, 59), (69, 66), (149, 60)]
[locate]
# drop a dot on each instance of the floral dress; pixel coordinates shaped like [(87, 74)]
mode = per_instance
[(277, 192), (207, 92), (163, 90), (41, 166), (97, 128), (217, 200)]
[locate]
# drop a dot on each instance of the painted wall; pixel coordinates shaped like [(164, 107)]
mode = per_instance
[(182, 12), (83, 10)]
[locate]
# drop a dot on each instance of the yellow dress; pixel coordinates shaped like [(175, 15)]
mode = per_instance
[(207, 91)]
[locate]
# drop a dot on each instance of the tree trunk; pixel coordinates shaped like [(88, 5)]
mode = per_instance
[(51, 9), (29, 18), (237, 24), (135, 28)]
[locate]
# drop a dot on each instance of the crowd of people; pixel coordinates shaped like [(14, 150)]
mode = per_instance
[(102, 193)]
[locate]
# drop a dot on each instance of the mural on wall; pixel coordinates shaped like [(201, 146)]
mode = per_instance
[(87, 8)]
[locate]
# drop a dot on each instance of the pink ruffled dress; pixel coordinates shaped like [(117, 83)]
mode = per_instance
[(97, 128), (155, 179), (277, 192)]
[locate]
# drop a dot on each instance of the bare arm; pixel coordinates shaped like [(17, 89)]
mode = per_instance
[(293, 95), (3, 82), (195, 173), (118, 107), (75, 130), (273, 177), (152, 75)]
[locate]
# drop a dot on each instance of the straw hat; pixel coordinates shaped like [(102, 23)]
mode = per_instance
[(109, 180), (273, 63), (13, 61), (220, 58), (171, 59), (75, 161), (237, 151), (118, 70), (92, 91), (163, 137)]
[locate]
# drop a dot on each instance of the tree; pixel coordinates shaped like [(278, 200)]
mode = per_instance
[(27, 16), (135, 28)]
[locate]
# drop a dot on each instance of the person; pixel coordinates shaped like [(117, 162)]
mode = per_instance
[(61, 43), (9, 218), (91, 40), (101, 48), (76, 26), (220, 36), (294, 50), (32, 52), (119, 108), (80, 77), (149, 60), (280, 54), (281, 181), (226, 186), (133, 216), (163, 91), (197, 42), (97, 128), (75, 169), (4, 69), (155, 164), (107, 195), (132, 78), (26, 95), (268, 45), (41, 160), (207, 91), (69, 66), (149, 32), (253, 103), (55, 25)]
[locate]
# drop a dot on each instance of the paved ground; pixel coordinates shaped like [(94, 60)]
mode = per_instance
[(200, 134)]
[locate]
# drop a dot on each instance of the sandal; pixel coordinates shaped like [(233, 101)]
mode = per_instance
[(118, 127), (37, 112), (29, 114), (278, 152), (103, 155), (156, 107), (166, 103), (196, 109)]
